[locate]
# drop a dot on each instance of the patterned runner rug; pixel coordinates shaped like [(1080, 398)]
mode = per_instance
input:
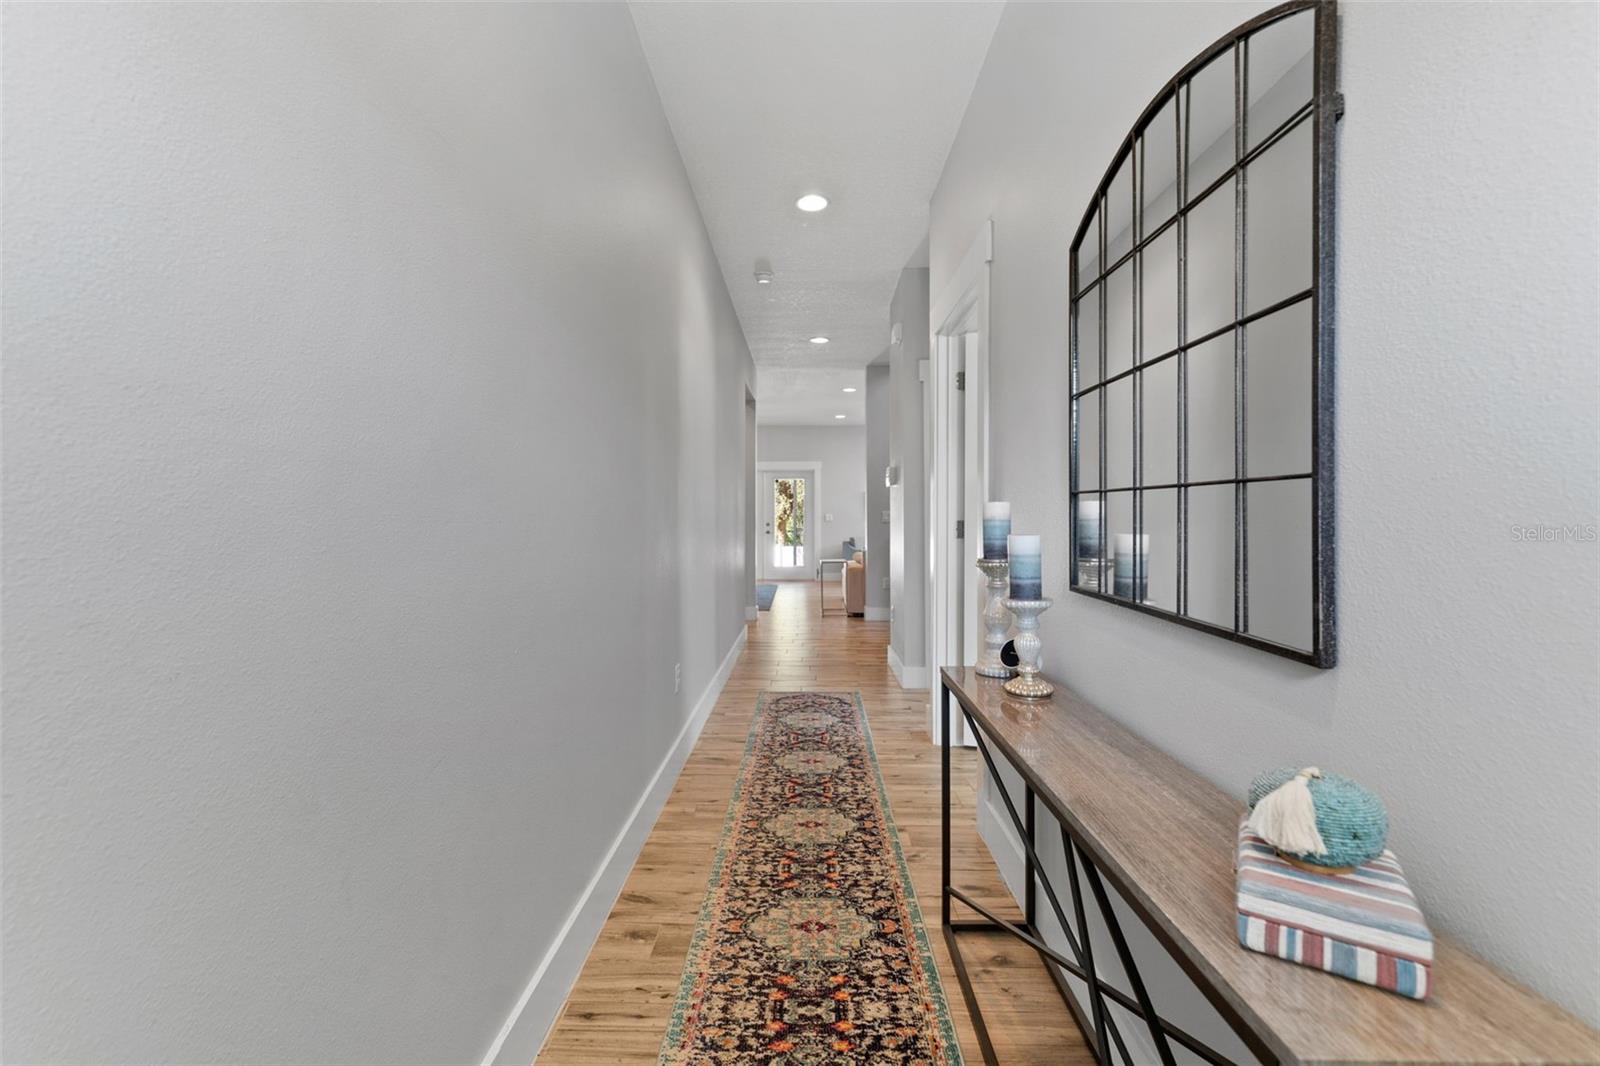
[(810, 948)]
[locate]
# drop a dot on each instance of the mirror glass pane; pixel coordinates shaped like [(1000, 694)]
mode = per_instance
[(1210, 421), (1119, 320), (1158, 422), (1281, 72), (1119, 211), (1158, 146), (1088, 408), (1158, 294), (1211, 554), (1089, 339), (1279, 534), (1210, 135), (1278, 392), (1160, 525), (1119, 535), (1089, 252), (1278, 226), (1119, 434), (1209, 252)]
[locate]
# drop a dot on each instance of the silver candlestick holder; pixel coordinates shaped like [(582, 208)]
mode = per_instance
[(996, 619), (1028, 684)]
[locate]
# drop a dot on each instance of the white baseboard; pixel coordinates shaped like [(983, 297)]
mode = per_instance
[(877, 614), (908, 676), (523, 1034)]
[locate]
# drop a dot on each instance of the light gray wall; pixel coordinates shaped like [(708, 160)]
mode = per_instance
[(333, 398), (908, 545), (1467, 687), (879, 398), (842, 452)]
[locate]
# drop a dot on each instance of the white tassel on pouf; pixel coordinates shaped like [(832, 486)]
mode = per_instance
[(1286, 817)]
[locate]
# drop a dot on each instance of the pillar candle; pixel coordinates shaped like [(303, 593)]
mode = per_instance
[(1131, 567), (996, 528), (1025, 567), (1091, 536)]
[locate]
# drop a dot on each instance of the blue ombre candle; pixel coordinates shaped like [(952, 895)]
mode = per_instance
[(1025, 567), (1091, 535), (996, 528), (1131, 567)]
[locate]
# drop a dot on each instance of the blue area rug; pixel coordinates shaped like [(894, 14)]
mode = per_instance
[(764, 594)]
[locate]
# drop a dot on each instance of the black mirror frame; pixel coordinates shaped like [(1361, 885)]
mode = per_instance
[(1323, 112)]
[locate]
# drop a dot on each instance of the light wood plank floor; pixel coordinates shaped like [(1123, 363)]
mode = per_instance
[(619, 1008)]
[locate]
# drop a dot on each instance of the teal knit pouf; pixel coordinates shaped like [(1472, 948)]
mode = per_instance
[(1351, 820)]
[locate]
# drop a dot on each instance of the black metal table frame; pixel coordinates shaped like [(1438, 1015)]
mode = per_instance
[(1099, 1028)]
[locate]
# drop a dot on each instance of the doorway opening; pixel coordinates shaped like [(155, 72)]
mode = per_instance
[(747, 494)]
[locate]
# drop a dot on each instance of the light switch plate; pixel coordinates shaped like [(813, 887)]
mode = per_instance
[(827, 516)]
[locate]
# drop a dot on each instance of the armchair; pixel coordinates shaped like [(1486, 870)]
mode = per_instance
[(855, 584)]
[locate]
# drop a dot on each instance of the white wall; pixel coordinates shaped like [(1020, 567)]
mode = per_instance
[(333, 397), (908, 516), (1467, 687), (842, 451), (879, 399)]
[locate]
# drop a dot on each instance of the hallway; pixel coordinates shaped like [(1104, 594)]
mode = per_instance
[(619, 1008), (403, 403)]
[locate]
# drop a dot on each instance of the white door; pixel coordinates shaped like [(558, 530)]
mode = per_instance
[(949, 546), (957, 416), (954, 441), (970, 597), (787, 538)]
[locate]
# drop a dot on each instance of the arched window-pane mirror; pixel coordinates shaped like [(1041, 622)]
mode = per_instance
[(1202, 347)]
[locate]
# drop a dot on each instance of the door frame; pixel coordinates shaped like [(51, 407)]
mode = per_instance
[(962, 310), (752, 560), (763, 556)]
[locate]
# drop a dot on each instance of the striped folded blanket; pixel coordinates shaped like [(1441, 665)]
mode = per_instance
[(1364, 925)]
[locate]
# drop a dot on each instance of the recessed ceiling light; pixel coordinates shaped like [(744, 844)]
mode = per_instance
[(838, 416), (819, 340), (849, 388), (763, 277), (811, 202)]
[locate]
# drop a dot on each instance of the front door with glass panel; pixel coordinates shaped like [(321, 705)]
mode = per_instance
[(787, 541)]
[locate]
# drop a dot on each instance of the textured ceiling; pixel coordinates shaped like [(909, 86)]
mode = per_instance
[(857, 101)]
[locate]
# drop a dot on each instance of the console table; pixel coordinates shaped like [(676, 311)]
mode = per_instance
[(1164, 837), (822, 566)]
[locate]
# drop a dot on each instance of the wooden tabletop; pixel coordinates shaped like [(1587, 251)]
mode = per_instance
[(1165, 837)]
